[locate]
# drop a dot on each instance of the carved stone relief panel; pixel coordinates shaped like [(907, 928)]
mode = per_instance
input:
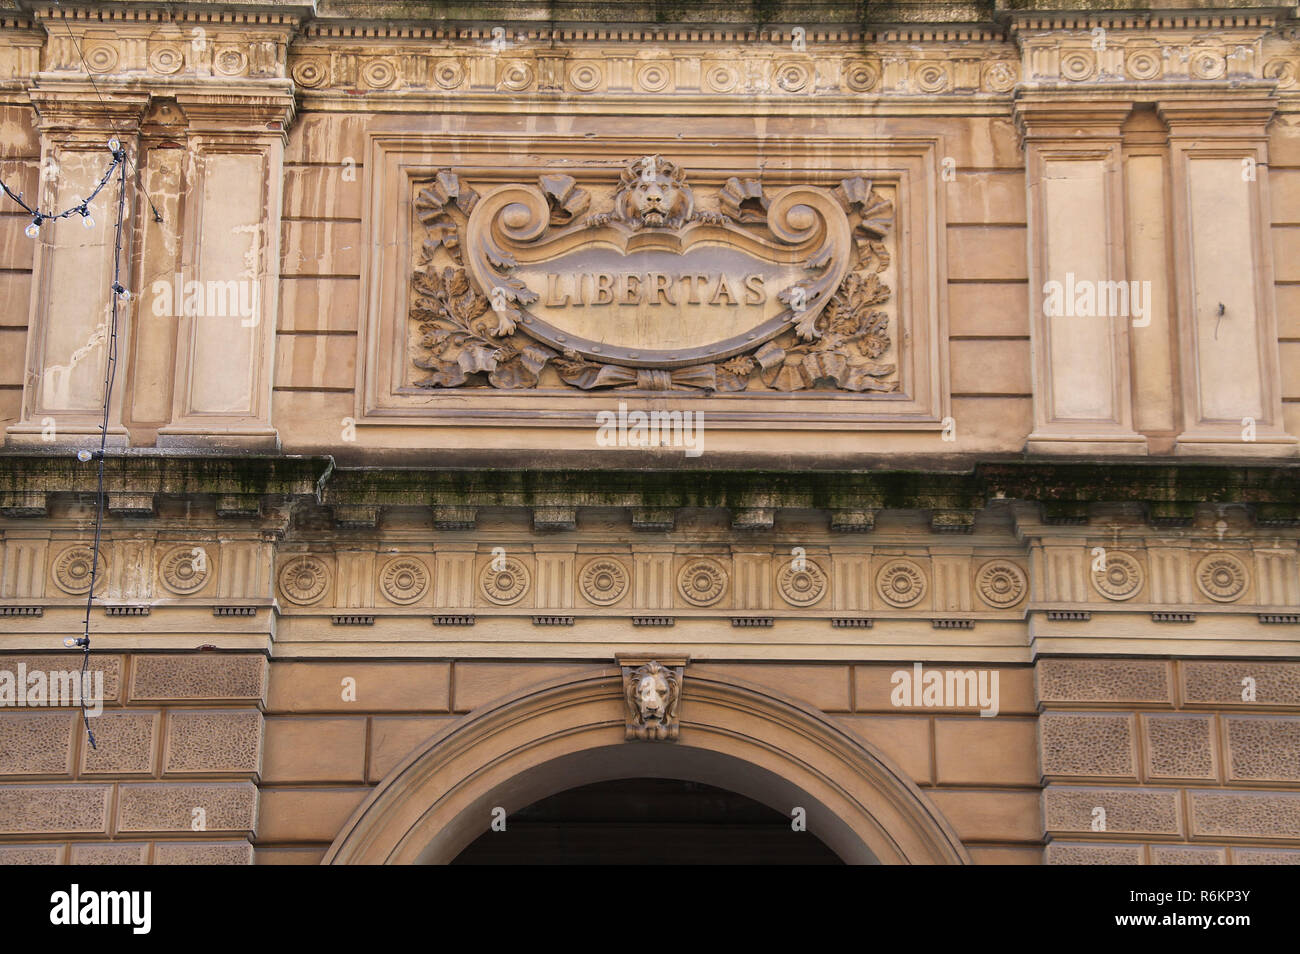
[(800, 293)]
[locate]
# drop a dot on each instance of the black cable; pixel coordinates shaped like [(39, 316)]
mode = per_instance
[(110, 372), (82, 208)]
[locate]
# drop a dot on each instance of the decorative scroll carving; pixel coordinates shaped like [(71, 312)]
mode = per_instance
[(653, 692), (527, 286)]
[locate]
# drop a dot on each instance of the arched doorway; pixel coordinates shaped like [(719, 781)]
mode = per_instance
[(515, 752), (648, 821)]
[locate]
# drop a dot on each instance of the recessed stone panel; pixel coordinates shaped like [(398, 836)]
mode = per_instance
[(1246, 814), (125, 743), (1084, 681), (1065, 853), (1116, 810), (33, 809), (110, 666), (1232, 683), (1179, 746), (213, 741), (1262, 748), (203, 853), (1087, 745), (33, 742), (210, 677), (226, 806), (1187, 855), (31, 854), (114, 853), (1265, 856)]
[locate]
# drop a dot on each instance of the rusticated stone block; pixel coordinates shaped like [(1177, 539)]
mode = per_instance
[(392, 739), (227, 806), (1180, 746), (480, 682), (1087, 745), (1187, 855), (874, 687), (211, 677), (294, 855), (1222, 683), (985, 751), (298, 814), (34, 809), (820, 686), (1126, 810), (1265, 856), (315, 749), (31, 854), (33, 742), (213, 741), (1263, 748), (110, 666), (125, 743), (1065, 853), (203, 853), (903, 739), (377, 687), (990, 816), (1246, 814), (116, 853), (1082, 681)]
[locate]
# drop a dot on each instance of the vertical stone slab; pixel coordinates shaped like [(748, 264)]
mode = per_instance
[(1231, 379), (1082, 401), (231, 234), (72, 277)]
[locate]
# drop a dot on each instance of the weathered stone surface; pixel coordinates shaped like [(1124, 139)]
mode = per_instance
[(37, 743), (213, 742), (1179, 746), (115, 853), (206, 677), (126, 743), (33, 809), (203, 853), (1076, 681), (226, 807), (1087, 745)]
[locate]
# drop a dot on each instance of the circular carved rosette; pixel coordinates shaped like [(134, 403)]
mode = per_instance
[(1078, 65), (791, 77), (310, 73), (516, 77), (1121, 579), (1000, 76), (72, 570), (603, 582), (584, 77), (504, 581), (404, 580), (230, 61), (379, 74), (1001, 583), (802, 586), (449, 74), (304, 580), (166, 59), (1222, 577), (932, 77), (184, 569), (702, 582), (653, 77), (901, 583), (860, 75), (1144, 64)]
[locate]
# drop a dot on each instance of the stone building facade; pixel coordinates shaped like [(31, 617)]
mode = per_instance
[(883, 413)]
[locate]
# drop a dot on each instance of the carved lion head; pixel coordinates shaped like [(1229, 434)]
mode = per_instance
[(653, 194), (652, 694)]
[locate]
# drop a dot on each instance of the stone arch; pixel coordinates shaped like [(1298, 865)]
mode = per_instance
[(570, 731)]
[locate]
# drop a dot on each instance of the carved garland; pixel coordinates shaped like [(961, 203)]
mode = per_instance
[(835, 337)]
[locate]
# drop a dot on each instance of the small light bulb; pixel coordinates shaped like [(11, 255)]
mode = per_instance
[(88, 220), (114, 145), (84, 455), (123, 295), (71, 642), (32, 230)]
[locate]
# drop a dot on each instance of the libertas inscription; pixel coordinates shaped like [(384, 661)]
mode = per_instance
[(768, 292)]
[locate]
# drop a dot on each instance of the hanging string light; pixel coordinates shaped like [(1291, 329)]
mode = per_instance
[(80, 207), (119, 297)]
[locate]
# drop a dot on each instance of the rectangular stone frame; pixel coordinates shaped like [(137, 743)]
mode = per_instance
[(395, 158)]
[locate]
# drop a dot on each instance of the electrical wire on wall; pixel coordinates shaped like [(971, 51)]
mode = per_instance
[(119, 296)]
